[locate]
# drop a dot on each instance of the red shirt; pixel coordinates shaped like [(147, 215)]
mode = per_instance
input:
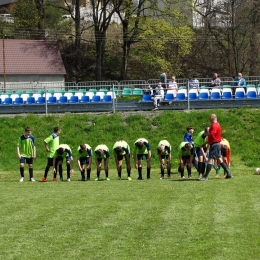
[(214, 133)]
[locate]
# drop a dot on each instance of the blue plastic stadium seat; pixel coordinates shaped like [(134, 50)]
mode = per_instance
[(8, 101), (18, 101), (239, 94), (30, 100), (74, 99), (204, 96), (52, 100), (227, 95), (215, 95), (193, 96), (96, 99), (180, 96), (107, 98), (63, 99), (147, 97), (251, 94), (85, 99), (41, 100), (169, 97)]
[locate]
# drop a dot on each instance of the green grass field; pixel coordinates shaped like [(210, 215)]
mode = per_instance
[(149, 219)]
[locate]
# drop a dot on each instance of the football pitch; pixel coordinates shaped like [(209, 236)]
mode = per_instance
[(121, 219)]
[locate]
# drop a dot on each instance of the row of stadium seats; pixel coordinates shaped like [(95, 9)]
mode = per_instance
[(206, 94), (56, 98)]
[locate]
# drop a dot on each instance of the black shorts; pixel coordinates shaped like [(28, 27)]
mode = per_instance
[(215, 151), (84, 160)]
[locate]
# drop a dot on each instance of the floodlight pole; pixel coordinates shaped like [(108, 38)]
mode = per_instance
[(113, 98)]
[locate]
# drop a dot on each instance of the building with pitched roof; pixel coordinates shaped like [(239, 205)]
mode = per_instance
[(24, 61)]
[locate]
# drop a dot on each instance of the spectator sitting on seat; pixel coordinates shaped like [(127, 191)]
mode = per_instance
[(173, 86), (215, 81), (239, 81), (158, 95), (194, 83)]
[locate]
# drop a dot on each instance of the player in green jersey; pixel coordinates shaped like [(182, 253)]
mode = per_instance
[(184, 153), (51, 144), (62, 152), (200, 144), (164, 153), (142, 149), (101, 152), (26, 152), (122, 150), (84, 158)]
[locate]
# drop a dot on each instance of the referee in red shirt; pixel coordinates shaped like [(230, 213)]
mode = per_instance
[(214, 139)]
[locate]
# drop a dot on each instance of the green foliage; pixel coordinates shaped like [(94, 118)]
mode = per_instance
[(26, 15), (163, 45)]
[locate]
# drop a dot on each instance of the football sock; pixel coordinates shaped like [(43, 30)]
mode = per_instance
[(182, 172), (88, 173), (218, 170), (60, 170), (106, 174), (208, 169), (22, 171), (140, 172), (83, 174), (120, 172), (188, 170), (46, 171), (225, 167), (68, 171), (200, 167), (98, 174), (31, 172), (203, 168), (162, 171), (129, 172), (148, 173)]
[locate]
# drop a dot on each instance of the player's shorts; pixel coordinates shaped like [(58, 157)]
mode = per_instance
[(60, 159), (100, 159), (121, 156), (198, 151), (49, 161), (185, 157), (26, 160), (140, 156), (165, 156), (84, 160), (215, 151)]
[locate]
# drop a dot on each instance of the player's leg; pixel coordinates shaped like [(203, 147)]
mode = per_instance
[(98, 165), (47, 168), (161, 160), (22, 160), (168, 158), (181, 167), (106, 160), (188, 165), (139, 166), (88, 168), (148, 162), (29, 161), (128, 166), (68, 167)]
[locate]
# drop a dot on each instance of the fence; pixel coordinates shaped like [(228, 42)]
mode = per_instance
[(72, 97)]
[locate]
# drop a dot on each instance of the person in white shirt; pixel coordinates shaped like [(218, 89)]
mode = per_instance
[(194, 83), (173, 86), (158, 95)]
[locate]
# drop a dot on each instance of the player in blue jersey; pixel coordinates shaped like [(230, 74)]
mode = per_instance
[(26, 152)]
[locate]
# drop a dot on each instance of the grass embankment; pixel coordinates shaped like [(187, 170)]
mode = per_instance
[(156, 219)]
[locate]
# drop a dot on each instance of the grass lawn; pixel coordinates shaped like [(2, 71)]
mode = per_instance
[(155, 219)]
